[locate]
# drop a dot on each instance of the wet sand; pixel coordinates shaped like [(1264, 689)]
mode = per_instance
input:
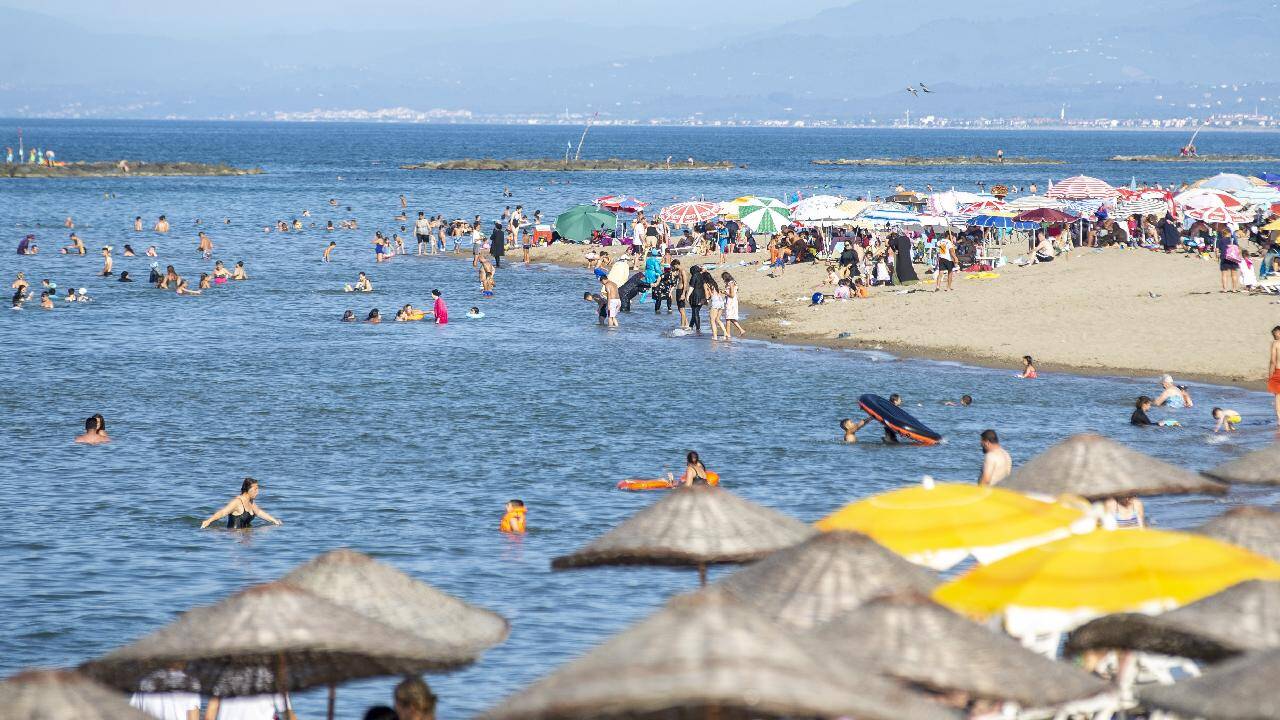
[(1113, 312)]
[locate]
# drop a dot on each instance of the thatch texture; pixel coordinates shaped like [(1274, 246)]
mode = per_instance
[(1252, 528), (825, 576), (361, 584), (1096, 468), (697, 525), (61, 695), (240, 645), (1246, 688), (1260, 467), (706, 654)]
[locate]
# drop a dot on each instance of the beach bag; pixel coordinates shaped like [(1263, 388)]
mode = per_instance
[(1232, 254)]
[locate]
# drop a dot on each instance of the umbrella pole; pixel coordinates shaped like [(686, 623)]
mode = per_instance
[(702, 574), (333, 698)]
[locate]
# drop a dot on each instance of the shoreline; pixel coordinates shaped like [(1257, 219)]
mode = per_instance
[(814, 326)]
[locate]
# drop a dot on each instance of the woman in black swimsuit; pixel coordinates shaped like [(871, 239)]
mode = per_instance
[(695, 473), (242, 509)]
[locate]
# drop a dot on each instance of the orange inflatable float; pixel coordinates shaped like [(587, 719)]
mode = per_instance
[(637, 484)]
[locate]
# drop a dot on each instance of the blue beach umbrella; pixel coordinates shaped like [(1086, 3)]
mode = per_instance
[(1001, 221)]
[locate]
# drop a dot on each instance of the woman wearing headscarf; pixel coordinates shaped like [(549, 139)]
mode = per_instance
[(497, 244)]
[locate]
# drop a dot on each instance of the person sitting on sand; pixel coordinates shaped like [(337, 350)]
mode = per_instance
[(242, 509), (514, 520), (996, 463), (1028, 368), (1173, 396), (95, 431), (1225, 419)]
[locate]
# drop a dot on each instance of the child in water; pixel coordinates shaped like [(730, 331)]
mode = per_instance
[(1226, 420), (514, 520), (1139, 416), (474, 313)]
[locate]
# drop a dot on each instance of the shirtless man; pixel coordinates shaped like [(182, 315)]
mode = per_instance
[(93, 434), (485, 273), (106, 260), (205, 248), (609, 289), (1273, 369), (137, 224), (328, 251), (996, 463), (162, 225)]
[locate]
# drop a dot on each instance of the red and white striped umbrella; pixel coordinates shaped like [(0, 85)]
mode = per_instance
[(983, 207), (688, 213), (1212, 206), (1081, 187)]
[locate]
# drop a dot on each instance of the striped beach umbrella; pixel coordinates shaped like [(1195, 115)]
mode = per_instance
[(768, 216), (689, 213), (1212, 206), (1142, 206), (816, 208), (1034, 202), (1262, 195), (1229, 182), (984, 207), (1081, 187)]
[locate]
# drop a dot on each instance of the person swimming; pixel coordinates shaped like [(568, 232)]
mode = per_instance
[(349, 316), (373, 317), (474, 313), (514, 520), (95, 431), (1139, 416), (124, 276), (851, 428), (1225, 420), (242, 509), (1028, 368), (965, 401), (1172, 396), (695, 473), (362, 284)]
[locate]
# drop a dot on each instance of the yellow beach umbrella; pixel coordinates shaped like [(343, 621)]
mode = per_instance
[(938, 525), (1273, 225), (1064, 583), (729, 209)]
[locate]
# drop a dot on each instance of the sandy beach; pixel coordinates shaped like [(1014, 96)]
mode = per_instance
[(1111, 311)]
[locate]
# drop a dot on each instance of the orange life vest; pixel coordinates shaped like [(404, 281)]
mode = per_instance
[(513, 521)]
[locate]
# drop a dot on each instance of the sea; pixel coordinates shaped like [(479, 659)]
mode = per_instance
[(404, 441)]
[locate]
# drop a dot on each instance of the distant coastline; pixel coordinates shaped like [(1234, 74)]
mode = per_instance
[(558, 165), (115, 168), (914, 160)]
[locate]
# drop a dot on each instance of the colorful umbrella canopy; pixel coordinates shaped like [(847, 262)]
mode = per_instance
[(824, 577), (765, 215), (1032, 202), (577, 223), (1241, 689), (1096, 468), (984, 207), (938, 525), (1264, 195), (620, 203), (689, 213), (1212, 206), (1081, 187), (1228, 181), (706, 655), (914, 639), (950, 202), (816, 208), (1059, 585), (62, 695), (731, 209), (1143, 206), (1243, 618), (874, 217), (1044, 215), (1001, 221)]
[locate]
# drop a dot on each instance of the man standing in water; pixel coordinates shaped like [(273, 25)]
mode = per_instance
[(996, 463), (613, 302), (422, 232), (1273, 369)]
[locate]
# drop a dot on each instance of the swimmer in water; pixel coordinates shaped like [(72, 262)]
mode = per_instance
[(238, 273), (1226, 420), (71, 295), (695, 473), (205, 281), (373, 317), (83, 295), (362, 284), (95, 431), (1139, 416), (349, 316), (205, 246), (996, 463), (1028, 368), (438, 309), (124, 276), (514, 520), (486, 273), (965, 401), (45, 302), (328, 251), (128, 251), (242, 509), (474, 313), (151, 251), (184, 288), (851, 428)]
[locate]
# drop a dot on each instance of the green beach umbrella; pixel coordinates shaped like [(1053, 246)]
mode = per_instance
[(765, 215), (577, 223)]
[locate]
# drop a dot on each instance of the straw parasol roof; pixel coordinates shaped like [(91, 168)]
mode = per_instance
[(825, 576), (1241, 689), (697, 525), (1242, 618), (61, 695), (705, 652), (1260, 467), (361, 584), (1252, 528), (244, 643), (913, 638), (1095, 468)]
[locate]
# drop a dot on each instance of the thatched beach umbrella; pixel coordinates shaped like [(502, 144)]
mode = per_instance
[(698, 526), (61, 695), (1095, 468), (913, 638), (825, 576), (1243, 618), (705, 655), (1252, 528), (359, 583), (1242, 689), (269, 639), (1260, 467)]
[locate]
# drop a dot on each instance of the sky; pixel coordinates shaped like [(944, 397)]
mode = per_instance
[(645, 59)]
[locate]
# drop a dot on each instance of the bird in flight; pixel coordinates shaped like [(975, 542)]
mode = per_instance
[(922, 87), (912, 91)]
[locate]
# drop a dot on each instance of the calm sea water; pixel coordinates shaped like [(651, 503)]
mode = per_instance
[(404, 441)]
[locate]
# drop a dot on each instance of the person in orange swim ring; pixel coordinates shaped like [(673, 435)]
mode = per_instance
[(695, 473), (513, 520)]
